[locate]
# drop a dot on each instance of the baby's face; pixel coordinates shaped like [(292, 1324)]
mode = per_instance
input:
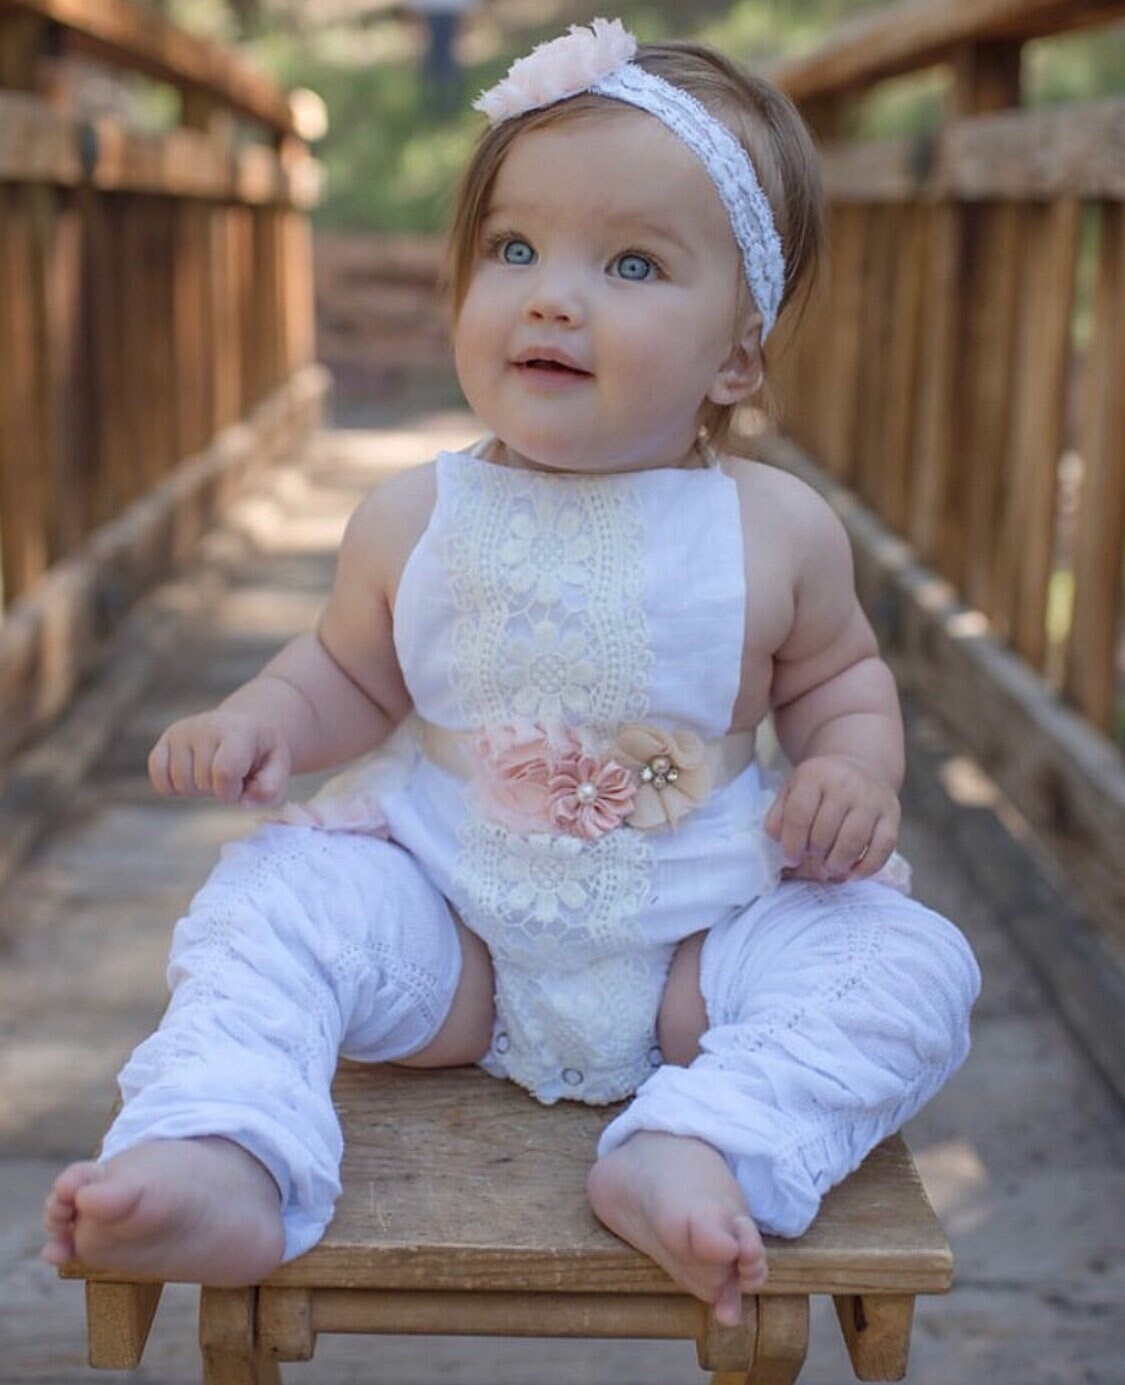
[(603, 305)]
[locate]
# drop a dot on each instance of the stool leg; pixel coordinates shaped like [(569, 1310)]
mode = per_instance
[(876, 1328), (118, 1318), (780, 1344), (228, 1338)]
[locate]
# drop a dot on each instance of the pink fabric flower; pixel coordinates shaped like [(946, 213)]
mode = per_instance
[(558, 69), (590, 797), (672, 773), (512, 779), (359, 814)]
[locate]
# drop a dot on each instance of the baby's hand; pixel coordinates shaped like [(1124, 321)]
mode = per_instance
[(223, 753), (834, 820)]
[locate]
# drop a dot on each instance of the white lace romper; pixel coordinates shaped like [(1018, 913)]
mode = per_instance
[(591, 603)]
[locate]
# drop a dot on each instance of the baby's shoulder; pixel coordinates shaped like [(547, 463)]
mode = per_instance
[(388, 522), (776, 499)]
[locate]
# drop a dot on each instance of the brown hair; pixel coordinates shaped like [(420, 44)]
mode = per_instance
[(762, 119)]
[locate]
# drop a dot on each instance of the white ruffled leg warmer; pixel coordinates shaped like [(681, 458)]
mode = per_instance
[(836, 1013), (301, 946)]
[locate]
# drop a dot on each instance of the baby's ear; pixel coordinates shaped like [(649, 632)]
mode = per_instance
[(743, 371)]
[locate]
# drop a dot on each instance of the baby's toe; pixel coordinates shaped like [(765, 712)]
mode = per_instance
[(72, 1178), (58, 1250), (727, 1307), (711, 1238), (752, 1266)]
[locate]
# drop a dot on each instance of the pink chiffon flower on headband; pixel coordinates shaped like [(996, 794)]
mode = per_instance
[(558, 69)]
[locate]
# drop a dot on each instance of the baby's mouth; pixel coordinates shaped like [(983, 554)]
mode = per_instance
[(537, 365)]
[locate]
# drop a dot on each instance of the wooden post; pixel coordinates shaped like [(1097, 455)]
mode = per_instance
[(119, 1317), (1091, 667), (24, 40), (228, 1338), (876, 1329)]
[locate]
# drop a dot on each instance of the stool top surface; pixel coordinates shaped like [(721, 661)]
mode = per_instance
[(454, 1180)]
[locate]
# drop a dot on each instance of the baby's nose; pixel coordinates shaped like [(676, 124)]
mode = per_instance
[(555, 298)]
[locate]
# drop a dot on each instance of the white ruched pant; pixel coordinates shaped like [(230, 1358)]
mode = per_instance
[(835, 1013)]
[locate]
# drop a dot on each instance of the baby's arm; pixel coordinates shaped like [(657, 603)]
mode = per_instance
[(327, 697), (837, 714)]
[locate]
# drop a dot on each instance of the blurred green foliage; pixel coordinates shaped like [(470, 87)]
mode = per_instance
[(392, 162)]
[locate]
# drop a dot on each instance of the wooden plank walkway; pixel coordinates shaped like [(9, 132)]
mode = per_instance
[(1023, 1155)]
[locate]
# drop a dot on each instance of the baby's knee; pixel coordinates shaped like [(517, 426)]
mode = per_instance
[(682, 1019), (465, 1035)]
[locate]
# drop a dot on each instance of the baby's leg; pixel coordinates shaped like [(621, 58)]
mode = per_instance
[(836, 1013), (224, 1158), (675, 1198)]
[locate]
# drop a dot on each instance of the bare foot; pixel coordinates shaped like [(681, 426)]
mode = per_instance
[(675, 1199), (203, 1211)]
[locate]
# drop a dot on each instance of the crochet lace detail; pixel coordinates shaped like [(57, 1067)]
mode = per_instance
[(547, 575)]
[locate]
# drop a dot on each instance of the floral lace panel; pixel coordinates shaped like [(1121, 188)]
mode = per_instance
[(547, 575)]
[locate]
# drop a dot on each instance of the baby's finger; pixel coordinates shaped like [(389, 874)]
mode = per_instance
[(159, 767), (852, 840), (266, 785), (801, 804), (776, 813), (232, 762), (202, 763), (826, 826), (181, 768), (879, 850)]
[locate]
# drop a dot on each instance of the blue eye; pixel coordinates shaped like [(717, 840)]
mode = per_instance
[(516, 251), (634, 267)]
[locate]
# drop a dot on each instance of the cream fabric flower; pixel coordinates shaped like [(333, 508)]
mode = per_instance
[(558, 69), (672, 771)]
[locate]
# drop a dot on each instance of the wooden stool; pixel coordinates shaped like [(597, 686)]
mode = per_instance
[(464, 1212)]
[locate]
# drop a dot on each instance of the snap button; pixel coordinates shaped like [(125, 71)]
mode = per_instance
[(572, 1077), (655, 1057), (502, 1044)]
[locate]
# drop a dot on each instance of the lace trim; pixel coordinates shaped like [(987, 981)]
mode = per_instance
[(547, 576), (728, 167), (548, 579)]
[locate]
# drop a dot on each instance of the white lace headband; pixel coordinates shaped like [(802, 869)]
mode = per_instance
[(599, 60)]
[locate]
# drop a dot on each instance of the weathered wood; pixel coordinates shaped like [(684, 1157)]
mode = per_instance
[(285, 1324), (840, 395), (39, 144), (782, 1341), (1043, 334), (728, 1349), (876, 321), (876, 1329), (132, 36), (898, 409), (916, 34), (992, 264), (119, 1318), (1091, 664), (24, 503), (228, 1339), (52, 638), (415, 1141), (23, 40), (986, 77), (1067, 151), (489, 1313), (942, 319)]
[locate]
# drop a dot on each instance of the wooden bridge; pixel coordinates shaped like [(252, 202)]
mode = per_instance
[(169, 504)]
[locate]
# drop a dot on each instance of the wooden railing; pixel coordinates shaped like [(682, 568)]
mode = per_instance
[(936, 373), (153, 287), (155, 291)]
